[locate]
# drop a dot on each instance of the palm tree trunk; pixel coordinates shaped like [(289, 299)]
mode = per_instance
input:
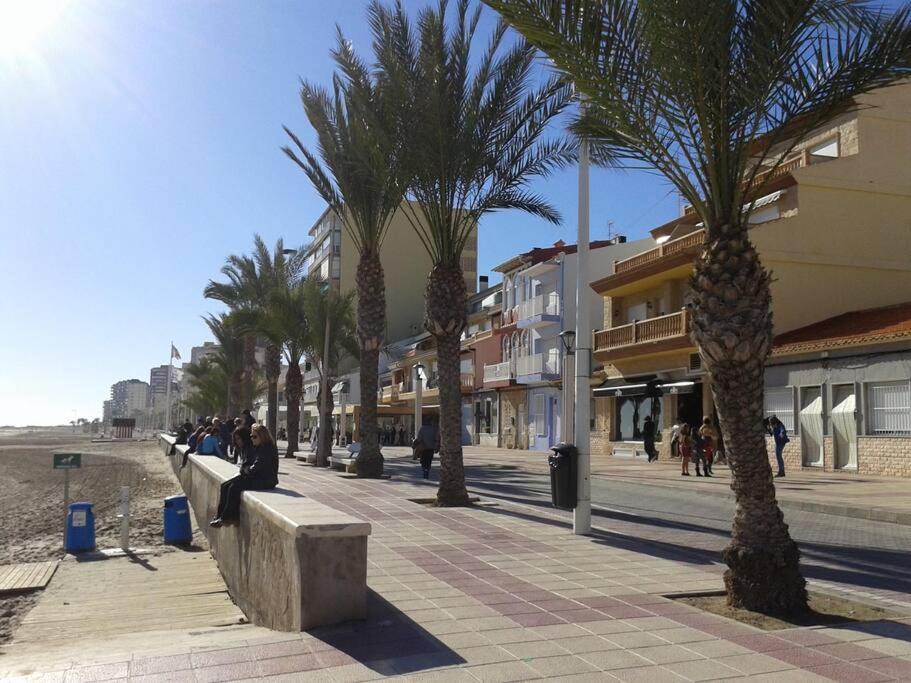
[(235, 389), (732, 324), (249, 370), (371, 323), (326, 437), (293, 386), (445, 299), (273, 370)]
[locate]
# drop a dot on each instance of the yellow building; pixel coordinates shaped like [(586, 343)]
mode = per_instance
[(834, 228), (333, 257)]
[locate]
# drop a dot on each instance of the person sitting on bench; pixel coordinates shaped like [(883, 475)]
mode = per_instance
[(260, 473)]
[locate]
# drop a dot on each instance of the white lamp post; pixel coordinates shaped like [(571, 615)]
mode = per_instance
[(582, 515)]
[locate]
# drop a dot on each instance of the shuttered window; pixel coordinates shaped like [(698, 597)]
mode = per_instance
[(780, 402), (889, 408)]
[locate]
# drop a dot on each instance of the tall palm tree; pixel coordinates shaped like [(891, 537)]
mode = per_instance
[(476, 136), (229, 335), (284, 321), (357, 172), (331, 326), (710, 94), (251, 279)]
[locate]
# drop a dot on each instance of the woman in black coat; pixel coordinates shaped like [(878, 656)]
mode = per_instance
[(259, 473)]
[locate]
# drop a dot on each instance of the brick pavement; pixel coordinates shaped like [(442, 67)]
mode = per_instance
[(505, 593)]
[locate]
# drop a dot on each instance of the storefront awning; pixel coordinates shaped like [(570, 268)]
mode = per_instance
[(643, 386)]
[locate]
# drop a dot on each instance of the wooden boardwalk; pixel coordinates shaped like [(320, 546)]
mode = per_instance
[(122, 595), (25, 576)]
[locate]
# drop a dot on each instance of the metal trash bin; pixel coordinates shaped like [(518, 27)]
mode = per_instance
[(563, 476), (79, 535), (177, 528)]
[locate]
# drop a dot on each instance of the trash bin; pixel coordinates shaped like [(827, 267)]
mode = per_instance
[(177, 521), (80, 528), (563, 478)]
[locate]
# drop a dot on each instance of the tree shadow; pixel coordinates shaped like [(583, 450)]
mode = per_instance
[(388, 641)]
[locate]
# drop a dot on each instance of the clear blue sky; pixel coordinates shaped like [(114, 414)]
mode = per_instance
[(139, 145)]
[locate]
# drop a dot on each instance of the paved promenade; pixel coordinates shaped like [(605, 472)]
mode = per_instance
[(505, 593)]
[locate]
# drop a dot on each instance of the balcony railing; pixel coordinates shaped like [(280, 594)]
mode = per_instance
[(466, 379), (691, 241), (538, 364), (544, 304), (641, 331), (509, 316), (499, 372)]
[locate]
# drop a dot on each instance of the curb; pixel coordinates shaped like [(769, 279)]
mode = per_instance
[(852, 511)]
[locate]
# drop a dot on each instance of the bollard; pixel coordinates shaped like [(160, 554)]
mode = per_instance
[(124, 517)]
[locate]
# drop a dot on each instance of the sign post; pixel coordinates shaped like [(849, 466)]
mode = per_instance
[(67, 462)]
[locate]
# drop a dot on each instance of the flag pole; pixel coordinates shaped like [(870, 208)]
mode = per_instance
[(167, 418)]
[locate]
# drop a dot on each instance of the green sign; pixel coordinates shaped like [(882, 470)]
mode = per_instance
[(67, 461)]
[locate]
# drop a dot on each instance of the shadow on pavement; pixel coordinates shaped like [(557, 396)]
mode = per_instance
[(388, 641)]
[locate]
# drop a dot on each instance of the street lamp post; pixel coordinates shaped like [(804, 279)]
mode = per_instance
[(418, 397), (582, 515)]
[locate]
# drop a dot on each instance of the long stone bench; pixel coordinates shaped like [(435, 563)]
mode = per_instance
[(290, 563)]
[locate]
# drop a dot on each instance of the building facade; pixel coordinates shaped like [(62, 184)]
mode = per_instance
[(129, 398)]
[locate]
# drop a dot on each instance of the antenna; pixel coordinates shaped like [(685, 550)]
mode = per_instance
[(610, 230)]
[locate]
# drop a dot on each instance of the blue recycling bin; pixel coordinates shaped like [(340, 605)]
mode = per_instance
[(177, 521), (80, 528)]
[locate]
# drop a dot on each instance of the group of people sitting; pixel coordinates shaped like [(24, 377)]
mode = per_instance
[(242, 441)]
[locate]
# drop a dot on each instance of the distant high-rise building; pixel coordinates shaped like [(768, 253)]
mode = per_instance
[(197, 353), (129, 397), (107, 413), (158, 384)]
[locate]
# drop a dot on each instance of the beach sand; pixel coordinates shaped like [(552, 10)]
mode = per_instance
[(32, 510)]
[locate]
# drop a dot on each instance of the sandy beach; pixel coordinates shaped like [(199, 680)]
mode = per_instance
[(32, 509)]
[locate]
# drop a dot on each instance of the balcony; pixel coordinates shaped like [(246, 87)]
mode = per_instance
[(466, 381), (664, 333), (538, 367), (501, 372), (388, 394), (509, 317), (541, 310), (668, 261), (687, 244)]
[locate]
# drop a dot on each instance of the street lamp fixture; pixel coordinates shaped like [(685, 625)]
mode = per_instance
[(419, 370), (568, 337)]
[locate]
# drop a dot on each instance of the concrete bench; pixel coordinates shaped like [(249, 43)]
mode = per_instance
[(291, 563), (340, 462)]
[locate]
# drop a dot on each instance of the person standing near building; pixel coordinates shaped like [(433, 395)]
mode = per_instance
[(648, 436), (709, 436), (428, 441), (780, 435), (685, 448)]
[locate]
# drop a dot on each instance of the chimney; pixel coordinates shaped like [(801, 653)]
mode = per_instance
[(559, 243), (482, 282)]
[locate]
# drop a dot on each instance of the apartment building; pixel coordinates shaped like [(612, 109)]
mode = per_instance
[(129, 398), (526, 371), (832, 226)]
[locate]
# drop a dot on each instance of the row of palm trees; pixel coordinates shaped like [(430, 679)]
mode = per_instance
[(706, 94), (269, 299)]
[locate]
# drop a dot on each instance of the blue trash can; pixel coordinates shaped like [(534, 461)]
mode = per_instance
[(80, 528), (177, 521)]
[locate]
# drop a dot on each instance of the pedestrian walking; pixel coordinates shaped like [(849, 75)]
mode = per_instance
[(699, 454), (261, 474), (685, 448), (648, 436), (709, 436), (428, 441), (780, 435)]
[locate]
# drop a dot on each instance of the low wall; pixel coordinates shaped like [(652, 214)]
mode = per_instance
[(290, 563)]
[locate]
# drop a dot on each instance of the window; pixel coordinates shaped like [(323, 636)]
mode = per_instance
[(631, 412), (780, 402), (889, 408), (493, 420)]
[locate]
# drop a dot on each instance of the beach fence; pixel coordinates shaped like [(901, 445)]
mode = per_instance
[(123, 427)]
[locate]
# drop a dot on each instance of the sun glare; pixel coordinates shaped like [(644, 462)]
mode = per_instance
[(24, 22)]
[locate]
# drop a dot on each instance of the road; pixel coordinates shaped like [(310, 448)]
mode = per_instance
[(864, 557)]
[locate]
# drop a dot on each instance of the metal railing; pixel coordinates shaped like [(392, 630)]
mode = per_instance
[(641, 331)]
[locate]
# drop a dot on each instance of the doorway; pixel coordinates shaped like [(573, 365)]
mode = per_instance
[(689, 407), (811, 426), (844, 426)]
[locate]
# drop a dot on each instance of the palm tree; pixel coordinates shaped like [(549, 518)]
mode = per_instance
[(332, 327), (710, 94), (284, 321), (475, 137), (251, 279), (229, 335), (357, 172)]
